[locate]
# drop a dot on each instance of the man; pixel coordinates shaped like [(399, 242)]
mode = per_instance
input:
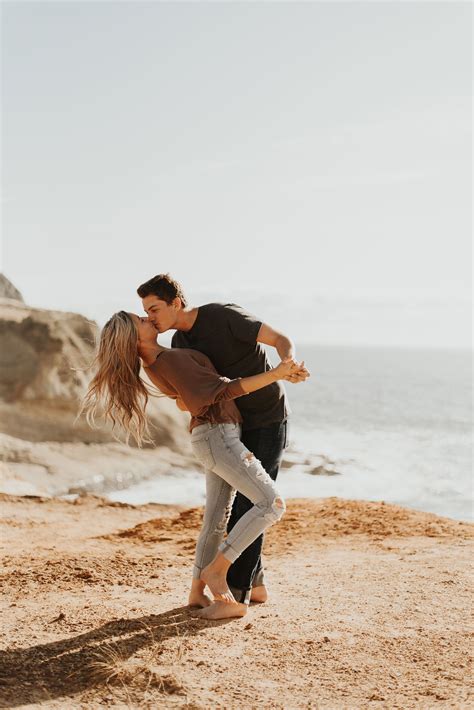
[(232, 338)]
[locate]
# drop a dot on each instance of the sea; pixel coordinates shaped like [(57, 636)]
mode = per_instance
[(395, 425)]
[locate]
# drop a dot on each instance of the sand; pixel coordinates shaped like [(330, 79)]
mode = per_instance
[(368, 608)]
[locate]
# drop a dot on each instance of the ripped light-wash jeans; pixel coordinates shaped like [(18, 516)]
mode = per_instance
[(231, 467)]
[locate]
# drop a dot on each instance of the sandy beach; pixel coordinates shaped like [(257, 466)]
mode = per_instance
[(368, 608)]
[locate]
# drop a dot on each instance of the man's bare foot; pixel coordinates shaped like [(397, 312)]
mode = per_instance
[(200, 599), (223, 610), (259, 594), (217, 583)]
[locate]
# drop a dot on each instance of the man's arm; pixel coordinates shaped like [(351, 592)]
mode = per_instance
[(285, 348)]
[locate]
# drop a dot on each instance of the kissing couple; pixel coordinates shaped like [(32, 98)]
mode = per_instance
[(218, 371)]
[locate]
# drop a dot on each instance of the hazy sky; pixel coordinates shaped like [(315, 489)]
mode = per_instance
[(311, 161)]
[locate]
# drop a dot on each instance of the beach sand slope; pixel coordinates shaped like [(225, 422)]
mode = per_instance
[(368, 608)]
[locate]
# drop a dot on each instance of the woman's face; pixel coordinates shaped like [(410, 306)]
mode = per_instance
[(147, 333)]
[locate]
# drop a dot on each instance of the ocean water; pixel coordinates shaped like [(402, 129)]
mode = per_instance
[(396, 425)]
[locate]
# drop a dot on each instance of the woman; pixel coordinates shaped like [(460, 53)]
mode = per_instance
[(188, 376)]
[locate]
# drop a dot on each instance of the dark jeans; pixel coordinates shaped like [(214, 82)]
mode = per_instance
[(267, 444)]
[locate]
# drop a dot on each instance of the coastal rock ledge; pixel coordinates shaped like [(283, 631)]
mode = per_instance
[(45, 359)]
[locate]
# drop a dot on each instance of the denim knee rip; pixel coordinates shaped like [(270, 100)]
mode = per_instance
[(272, 509), (278, 504)]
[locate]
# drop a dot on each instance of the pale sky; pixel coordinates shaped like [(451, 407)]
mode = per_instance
[(310, 161)]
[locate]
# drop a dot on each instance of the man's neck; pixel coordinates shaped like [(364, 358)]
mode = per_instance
[(186, 318)]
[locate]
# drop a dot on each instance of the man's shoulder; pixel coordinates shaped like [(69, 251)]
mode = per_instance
[(218, 306), (211, 318), (212, 313)]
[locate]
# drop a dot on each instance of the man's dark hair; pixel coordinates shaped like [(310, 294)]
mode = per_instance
[(163, 287)]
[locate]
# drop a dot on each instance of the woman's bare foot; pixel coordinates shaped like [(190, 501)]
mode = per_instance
[(259, 594), (217, 583), (199, 599), (223, 610)]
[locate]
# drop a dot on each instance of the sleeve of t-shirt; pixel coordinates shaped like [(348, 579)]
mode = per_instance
[(243, 325), (200, 386)]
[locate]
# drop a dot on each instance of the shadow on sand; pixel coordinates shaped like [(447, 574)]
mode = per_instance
[(60, 668)]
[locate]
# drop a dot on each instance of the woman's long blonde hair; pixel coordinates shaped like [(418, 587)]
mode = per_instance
[(117, 391)]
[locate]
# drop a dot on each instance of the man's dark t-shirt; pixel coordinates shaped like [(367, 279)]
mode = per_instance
[(227, 334)]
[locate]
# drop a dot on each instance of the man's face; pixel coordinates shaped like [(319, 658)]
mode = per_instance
[(161, 314)]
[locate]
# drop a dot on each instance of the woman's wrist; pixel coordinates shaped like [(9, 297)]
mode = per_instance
[(275, 375), (256, 382)]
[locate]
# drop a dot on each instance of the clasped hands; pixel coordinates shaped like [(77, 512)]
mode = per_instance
[(293, 371)]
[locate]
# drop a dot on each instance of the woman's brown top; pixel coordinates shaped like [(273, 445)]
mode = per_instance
[(190, 376)]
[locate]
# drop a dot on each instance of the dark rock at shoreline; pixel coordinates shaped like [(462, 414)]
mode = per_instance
[(315, 465), (323, 471)]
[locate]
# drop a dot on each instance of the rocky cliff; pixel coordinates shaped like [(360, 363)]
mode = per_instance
[(45, 359), (8, 290)]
